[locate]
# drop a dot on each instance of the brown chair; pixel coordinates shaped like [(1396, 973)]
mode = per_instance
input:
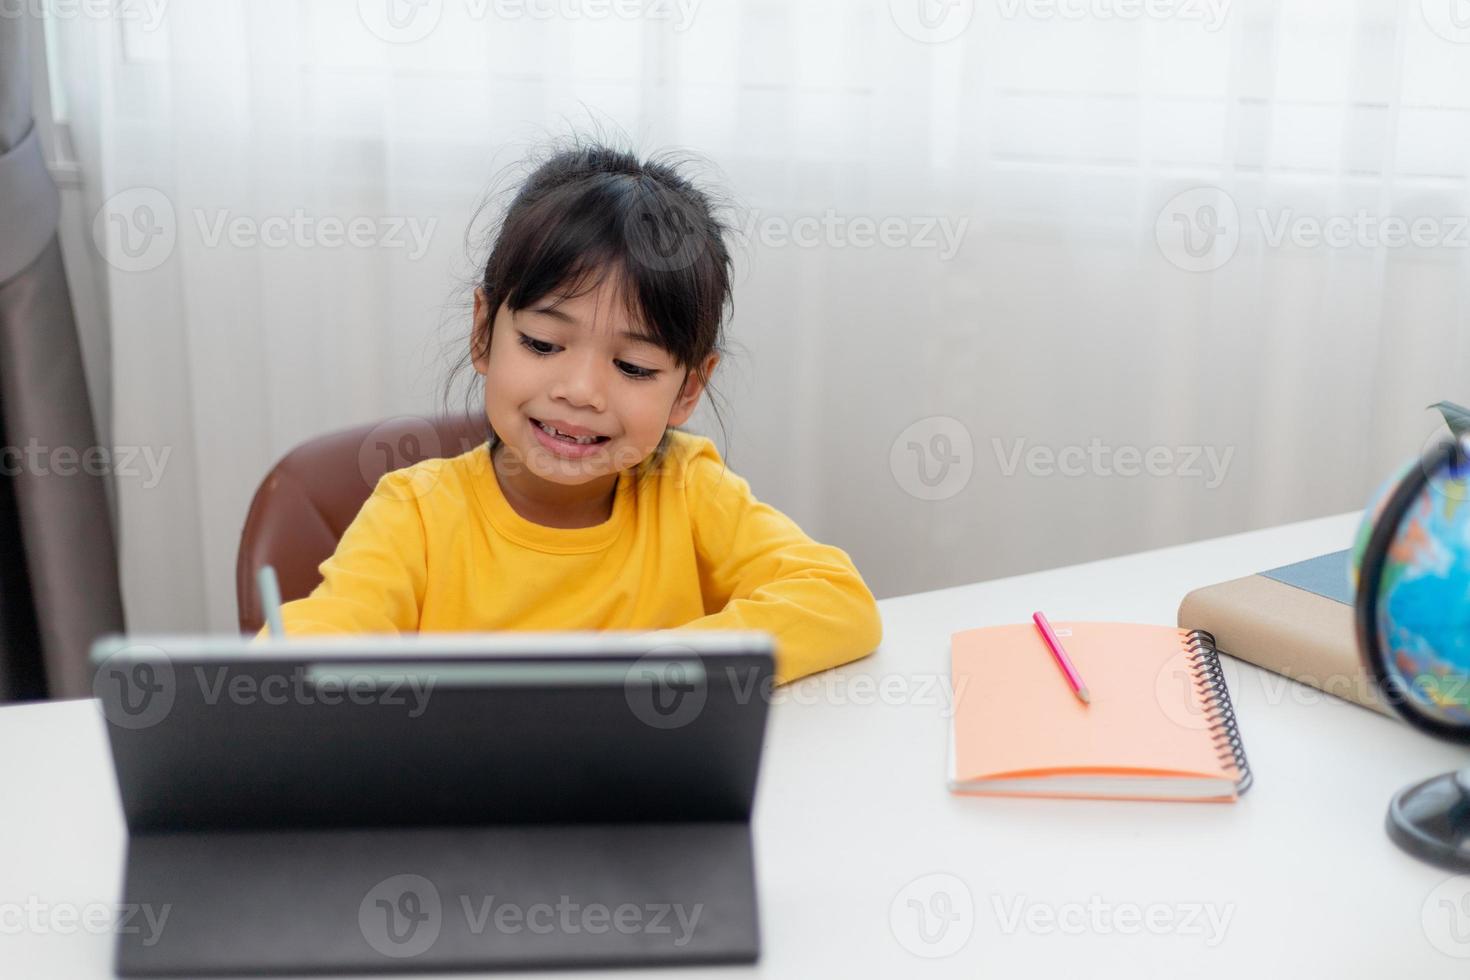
[(310, 496)]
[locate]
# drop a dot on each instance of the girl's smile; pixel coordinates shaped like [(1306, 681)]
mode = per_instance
[(567, 446)]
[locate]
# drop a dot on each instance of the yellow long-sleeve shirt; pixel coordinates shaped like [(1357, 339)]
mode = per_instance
[(438, 548)]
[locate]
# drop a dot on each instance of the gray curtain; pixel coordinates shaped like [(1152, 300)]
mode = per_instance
[(58, 554)]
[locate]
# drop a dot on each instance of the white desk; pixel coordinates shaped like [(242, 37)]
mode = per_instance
[(852, 808)]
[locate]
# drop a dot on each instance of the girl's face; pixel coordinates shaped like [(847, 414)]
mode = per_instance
[(576, 363)]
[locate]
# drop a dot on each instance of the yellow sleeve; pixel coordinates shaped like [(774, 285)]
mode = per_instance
[(374, 581), (767, 574)]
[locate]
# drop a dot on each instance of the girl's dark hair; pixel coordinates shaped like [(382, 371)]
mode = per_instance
[(589, 211)]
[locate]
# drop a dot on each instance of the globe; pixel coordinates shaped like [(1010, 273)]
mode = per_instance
[(1410, 570), (1422, 601)]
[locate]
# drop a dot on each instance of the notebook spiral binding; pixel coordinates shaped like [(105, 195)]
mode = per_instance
[(1209, 681)]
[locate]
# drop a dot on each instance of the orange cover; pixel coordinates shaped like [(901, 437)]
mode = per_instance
[(1152, 731)]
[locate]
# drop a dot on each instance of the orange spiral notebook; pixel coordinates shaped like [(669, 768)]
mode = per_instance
[(1159, 727)]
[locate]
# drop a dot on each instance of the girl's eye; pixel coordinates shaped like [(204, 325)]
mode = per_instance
[(632, 371), (636, 372)]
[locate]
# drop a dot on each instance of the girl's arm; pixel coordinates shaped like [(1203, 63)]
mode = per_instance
[(374, 581), (761, 571)]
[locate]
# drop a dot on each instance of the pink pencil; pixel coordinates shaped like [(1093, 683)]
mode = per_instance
[(1074, 680)]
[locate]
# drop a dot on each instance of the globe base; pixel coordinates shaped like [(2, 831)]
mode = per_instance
[(1431, 820)]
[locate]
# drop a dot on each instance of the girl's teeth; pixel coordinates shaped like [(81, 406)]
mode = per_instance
[(579, 440)]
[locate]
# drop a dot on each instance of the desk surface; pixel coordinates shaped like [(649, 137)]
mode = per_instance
[(868, 866)]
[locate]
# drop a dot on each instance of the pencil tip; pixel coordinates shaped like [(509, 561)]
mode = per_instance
[(1087, 698)]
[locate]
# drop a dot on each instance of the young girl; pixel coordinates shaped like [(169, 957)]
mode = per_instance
[(596, 328)]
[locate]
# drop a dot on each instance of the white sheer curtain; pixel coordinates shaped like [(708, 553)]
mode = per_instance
[(964, 301)]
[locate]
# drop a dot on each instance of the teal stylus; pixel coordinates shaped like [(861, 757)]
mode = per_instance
[(270, 600)]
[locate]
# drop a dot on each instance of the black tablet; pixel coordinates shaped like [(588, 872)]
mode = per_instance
[(437, 801)]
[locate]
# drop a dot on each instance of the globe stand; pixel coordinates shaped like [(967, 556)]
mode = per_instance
[(1431, 820)]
